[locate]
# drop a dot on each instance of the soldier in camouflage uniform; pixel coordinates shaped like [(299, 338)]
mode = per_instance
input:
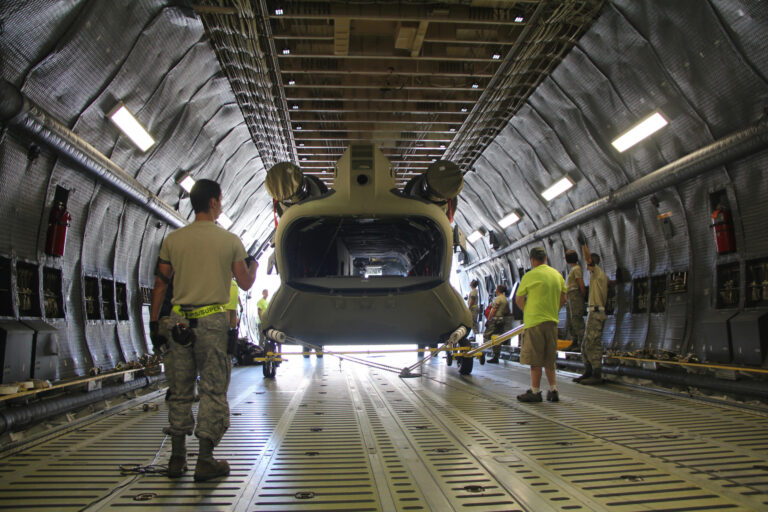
[(200, 258), (474, 305), (575, 307), (495, 323), (592, 344)]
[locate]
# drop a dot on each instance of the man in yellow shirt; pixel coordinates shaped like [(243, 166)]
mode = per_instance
[(540, 295)]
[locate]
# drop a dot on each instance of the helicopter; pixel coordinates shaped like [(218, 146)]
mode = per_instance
[(365, 262)]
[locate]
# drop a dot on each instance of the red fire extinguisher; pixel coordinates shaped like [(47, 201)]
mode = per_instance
[(721, 222), (58, 223)]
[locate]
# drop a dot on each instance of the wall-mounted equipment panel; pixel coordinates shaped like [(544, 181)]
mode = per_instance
[(640, 295), (6, 294), (53, 297), (678, 282), (757, 283), (121, 293), (91, 294), (108, 299), (658, 294), (28, 289), (146, 295), (728, 280)]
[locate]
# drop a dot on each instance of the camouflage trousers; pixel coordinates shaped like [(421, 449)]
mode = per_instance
[(574, 319), (494, 326), (208, 358), (592, 344), (474, 312)]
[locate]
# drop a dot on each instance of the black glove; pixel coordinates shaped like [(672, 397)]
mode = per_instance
[(248, 260), (581, 239), (159, 343)]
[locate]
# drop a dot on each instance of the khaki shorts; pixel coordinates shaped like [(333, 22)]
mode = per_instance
[(539, 345)]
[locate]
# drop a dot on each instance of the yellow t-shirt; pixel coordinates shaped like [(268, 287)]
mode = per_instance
[(542, 288), (234, 295), (201, 255)]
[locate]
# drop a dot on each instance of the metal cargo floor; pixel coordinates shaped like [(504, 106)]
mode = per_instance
[(340, 437)]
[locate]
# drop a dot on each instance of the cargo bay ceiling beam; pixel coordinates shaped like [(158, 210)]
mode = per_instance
[(394, 73)]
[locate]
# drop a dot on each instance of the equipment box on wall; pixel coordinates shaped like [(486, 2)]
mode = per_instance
[(15, 351), (749, 335), (45, 350)]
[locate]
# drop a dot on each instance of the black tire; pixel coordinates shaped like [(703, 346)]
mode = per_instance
[(449, 357), (465, 365), (269, 367), (319, 353)]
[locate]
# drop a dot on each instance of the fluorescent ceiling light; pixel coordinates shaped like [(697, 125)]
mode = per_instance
[(643, 129), (496, 56), (278, 12), (286, 51), (187, 183), (291, 82), (131, 127), (557, 188), (519, 19), (509, 220), (475, 85), (224, 221), (475, 236)]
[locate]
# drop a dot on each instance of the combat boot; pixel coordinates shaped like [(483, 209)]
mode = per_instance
[(178, 463), (207, 467), (587, 373), (596, 378)]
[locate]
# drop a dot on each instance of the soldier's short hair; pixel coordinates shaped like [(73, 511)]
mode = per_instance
[(201, 194), (571, 256)]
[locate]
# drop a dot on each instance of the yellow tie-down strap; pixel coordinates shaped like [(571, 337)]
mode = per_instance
[(199, 312)]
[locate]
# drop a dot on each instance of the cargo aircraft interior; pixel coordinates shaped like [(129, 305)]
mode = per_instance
[(396, 168)]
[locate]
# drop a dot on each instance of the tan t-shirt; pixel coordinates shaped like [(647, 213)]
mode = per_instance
[(573, 278), (473, 298), (201, 255), (598, 287), (502, 306)]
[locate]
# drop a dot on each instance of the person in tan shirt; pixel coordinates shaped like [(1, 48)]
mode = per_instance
[(200, 258), (592, 344), (575, 306)]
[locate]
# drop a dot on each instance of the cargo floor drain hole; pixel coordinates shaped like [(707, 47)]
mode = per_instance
[(304, 495), (316, 429), (632, 478), (311, 454), (474, 488)]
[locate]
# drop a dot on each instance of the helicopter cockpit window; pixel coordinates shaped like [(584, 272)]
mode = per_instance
[(375, 249)]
